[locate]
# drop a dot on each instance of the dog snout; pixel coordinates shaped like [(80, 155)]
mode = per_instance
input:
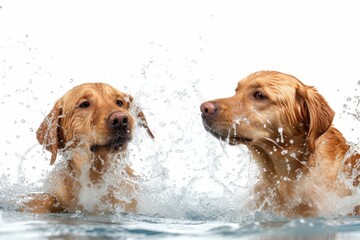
[(118, 120), (208, 109)]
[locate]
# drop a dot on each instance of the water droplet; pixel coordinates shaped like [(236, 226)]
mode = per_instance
[(348, 99), (359, 82), (17, 136), (31, 129), (284, 152), (71, 80), (281, 130), (23, 120)]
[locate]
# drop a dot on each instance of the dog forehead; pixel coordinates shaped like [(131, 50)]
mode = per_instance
[(269, 79), (100, 92), (90, 89)]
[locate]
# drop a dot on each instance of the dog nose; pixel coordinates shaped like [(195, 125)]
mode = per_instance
[(118, 120), (208, 108)]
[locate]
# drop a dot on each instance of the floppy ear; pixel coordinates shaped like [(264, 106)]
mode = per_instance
[(143, 123), (317, 112), (50, 133)]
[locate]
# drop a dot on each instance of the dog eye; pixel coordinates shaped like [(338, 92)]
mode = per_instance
[(259, 96), (119, 103), (85, 104)]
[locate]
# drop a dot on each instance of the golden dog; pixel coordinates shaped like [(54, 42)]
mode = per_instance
[(287, 126), (90, 126)]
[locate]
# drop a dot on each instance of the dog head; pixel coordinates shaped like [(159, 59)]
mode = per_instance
[(93, 115), (268, 106)]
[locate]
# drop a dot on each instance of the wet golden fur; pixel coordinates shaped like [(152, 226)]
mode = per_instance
[(84, 127), (287, 126)]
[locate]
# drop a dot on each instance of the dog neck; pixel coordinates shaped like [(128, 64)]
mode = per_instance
[(94, 164), (280, 159)]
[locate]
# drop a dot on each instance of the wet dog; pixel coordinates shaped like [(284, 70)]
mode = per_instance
[(287, 126), (90, 126)]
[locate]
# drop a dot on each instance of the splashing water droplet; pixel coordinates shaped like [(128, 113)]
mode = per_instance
[(284, 152), (281, 130)]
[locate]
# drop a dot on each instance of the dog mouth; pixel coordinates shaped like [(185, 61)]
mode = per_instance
[(232, 140), (117, 143)]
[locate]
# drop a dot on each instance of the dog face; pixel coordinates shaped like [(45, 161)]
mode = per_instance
[(94, 116), (268, 106)]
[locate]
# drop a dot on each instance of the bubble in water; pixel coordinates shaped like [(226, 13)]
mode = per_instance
[(23, 120), (348, 99)]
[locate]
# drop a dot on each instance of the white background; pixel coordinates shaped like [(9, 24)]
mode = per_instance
[(171, 55)]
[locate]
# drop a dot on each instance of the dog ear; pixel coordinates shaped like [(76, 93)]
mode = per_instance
[(143, 123), (317, 112), (50, 133)]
